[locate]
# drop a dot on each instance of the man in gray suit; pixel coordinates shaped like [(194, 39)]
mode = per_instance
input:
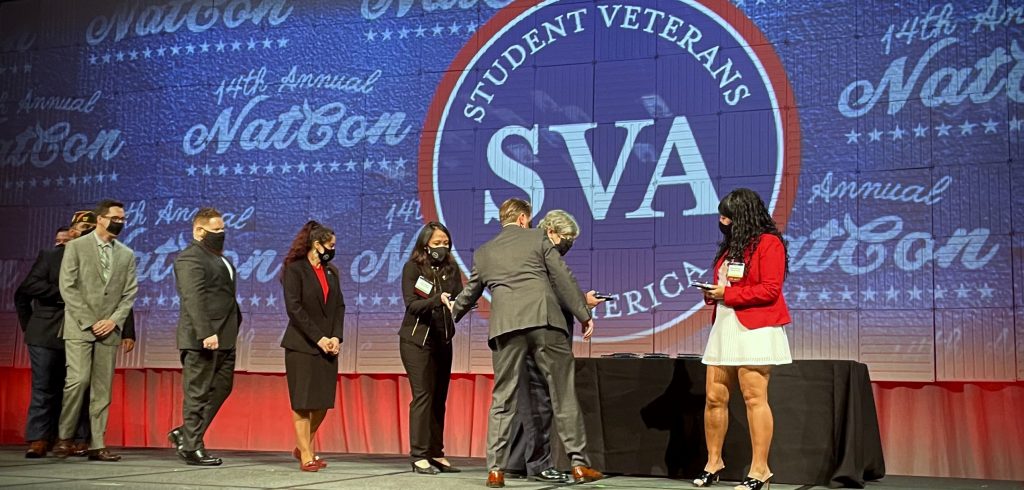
[(530, 285), (207, 329), (98, 285)]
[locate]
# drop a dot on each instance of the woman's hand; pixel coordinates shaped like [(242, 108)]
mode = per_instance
[(325, 345), (446, 300), (335, 345), (716, 294)]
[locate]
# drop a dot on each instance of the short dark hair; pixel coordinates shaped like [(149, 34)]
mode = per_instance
[(103, 207), (205, 215), (62, 229)]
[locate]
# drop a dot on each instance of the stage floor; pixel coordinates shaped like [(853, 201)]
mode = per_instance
[(160, 468)]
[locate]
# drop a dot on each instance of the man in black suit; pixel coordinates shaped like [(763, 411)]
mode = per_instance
[(41, 314), (207, 329)]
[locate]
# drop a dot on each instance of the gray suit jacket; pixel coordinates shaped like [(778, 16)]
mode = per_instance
[(529, 282), (87, 299)]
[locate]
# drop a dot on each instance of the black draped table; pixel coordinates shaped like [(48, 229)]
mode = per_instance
[(646, 417)]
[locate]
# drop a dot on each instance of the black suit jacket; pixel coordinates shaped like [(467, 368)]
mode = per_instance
[(428, 318), (208, 305), (309, 318), (40, 307)]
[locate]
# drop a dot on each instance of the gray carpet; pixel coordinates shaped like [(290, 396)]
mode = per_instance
[(160, 469)]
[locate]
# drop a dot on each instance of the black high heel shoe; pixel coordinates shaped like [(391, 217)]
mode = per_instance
[(429, 470), (755, 484), (443, 468), (706, 479)]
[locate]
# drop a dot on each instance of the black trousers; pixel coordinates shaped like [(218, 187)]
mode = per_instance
[(207, 379), (49, 368), (530, 446), (430, 370)]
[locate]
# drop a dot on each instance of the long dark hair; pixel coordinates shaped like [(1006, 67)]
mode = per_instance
[(750, 220), (419, 252), (310, 232)]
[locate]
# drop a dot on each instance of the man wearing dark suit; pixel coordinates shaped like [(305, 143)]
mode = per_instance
[(98, 283), (207, 329), (530, 285), (40, 314)]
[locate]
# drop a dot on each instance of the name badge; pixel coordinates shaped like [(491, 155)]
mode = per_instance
[(424, 287), (735, 271)]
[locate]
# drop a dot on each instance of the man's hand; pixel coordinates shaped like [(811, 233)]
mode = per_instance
[(325, 345), (592, 300), (103, 328), (335, 345), (588, 329), (211, 342), (128, 345)]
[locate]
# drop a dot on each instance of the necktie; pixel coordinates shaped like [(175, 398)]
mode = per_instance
[(105, 262)]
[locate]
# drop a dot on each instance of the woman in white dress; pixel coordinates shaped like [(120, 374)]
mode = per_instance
[(747, 337)]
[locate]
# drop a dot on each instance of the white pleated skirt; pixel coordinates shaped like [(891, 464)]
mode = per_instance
[(732, 344)]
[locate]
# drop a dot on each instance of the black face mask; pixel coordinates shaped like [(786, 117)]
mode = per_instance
[(564, 246), (726, 229), (214, 241), (438, 254), (115, 228), (326, 256)]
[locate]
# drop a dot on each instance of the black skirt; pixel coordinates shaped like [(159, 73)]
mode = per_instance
[(312, 380)]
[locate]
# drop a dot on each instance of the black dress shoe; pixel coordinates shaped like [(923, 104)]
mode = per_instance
[(429, 470), (515, 474), (177, 440), (200, 458), (443, 468), (553, 476)]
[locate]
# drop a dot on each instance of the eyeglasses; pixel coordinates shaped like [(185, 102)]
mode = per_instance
[(116, 219)]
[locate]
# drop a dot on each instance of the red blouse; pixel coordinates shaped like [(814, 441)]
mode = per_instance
[(323, 281)]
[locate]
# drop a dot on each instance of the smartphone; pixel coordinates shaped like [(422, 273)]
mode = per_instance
[(604, 296), (703, 285)]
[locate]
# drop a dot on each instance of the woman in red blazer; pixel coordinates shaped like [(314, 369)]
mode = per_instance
[(747, 337)]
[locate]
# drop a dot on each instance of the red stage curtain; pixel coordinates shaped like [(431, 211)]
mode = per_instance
[(967, 430)]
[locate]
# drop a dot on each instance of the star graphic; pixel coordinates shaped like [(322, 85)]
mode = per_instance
[(986, 291), (914, 294), (437, 29), (852, 137), (119, 56), (318, 167), (146, 300), (271, 300), (254, 300), (419, 31), (73, 179), (393, 299), (207, 169), (385, 164), (32, 182), (920, 131), (190, 49), (46, 182), (113, 176), (286, 168), (191, 170), (60, 181), (205, 47), (891, 293), (897, 134), (100, 177), (367, 164), (251, 44), (175, 50), (301, 167), (269, 168), (147, 53), (875, 135), (846, 294), (940, 292), (267, 43), (371, 36), (160, 51), (236, 46), (990, 126), (85, 179), (222, 170), (92, 59), (943, 129), (967, 128), (175, 301), (106, 58), (403, 33), (824, 295), (385, 35), (454, 28), (133, 54), (471, 27), (161, 300), (360, 299), (239, 169), (220, 46), (1015, 124), (253, 168), (376, 298), (19, 184), (282, 42), (335, 166), (400, 164), (961, 292)]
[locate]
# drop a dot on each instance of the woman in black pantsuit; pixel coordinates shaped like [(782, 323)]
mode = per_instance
[(429, 278), (312, 340)]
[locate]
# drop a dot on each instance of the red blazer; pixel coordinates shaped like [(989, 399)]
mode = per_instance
[(757, 297)]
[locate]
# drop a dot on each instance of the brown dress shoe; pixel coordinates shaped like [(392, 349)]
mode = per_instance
[(63, 448), (81, 449), (103, 455), (37, 449), (583, 474), (496, 479)]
